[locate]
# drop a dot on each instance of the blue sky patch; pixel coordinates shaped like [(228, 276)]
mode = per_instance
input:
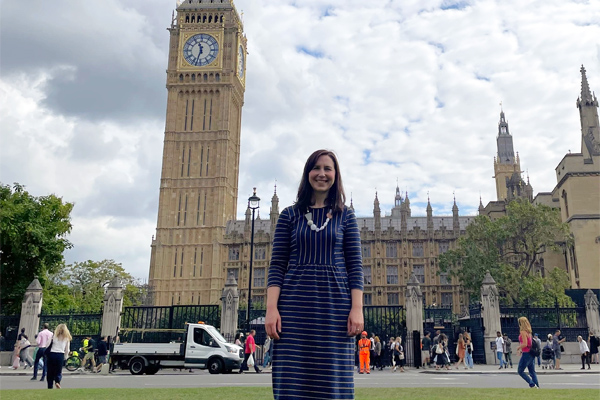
[(454, 5), (311, 52)]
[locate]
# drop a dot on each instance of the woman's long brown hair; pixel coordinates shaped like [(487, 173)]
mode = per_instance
[(336, 198)]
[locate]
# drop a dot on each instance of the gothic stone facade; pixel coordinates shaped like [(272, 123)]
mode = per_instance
[(393, 247)]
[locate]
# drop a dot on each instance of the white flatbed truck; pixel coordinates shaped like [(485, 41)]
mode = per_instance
[(202, 348)]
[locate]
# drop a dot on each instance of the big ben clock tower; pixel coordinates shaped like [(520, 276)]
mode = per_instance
[(200, 168)]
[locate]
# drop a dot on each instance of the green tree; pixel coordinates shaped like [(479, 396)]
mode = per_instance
[(81, 286), (32, 240), (509, 248)]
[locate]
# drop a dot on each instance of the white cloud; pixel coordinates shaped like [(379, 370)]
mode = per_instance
[(406, 90)]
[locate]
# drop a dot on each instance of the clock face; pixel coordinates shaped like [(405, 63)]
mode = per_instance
[(200, 50), (241, 62)]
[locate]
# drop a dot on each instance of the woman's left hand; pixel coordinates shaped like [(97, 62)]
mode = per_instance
[(356, 321)]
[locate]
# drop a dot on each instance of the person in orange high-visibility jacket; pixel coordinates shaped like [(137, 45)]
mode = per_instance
[(364, 348)]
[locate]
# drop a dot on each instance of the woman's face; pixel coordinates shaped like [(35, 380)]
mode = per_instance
[(322, 176)]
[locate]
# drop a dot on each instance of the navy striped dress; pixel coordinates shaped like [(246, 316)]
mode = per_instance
[(314, 357)]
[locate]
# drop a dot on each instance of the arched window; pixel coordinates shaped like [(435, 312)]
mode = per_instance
[(193, 18), (205, 78), (187, 18), (218, 77), (180, 77), (193, 77)]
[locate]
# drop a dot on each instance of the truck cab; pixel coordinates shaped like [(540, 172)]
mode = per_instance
[(203, 347)]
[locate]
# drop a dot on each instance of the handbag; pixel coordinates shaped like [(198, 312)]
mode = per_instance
[(48, 349), (402, 355), (562, 349), (251, 361)]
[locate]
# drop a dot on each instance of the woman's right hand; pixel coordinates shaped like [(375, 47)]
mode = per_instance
[(273, 323)]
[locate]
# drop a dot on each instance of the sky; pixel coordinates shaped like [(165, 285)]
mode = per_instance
[(406, 92)]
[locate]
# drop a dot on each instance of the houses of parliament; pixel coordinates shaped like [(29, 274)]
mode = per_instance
[(199, 242)]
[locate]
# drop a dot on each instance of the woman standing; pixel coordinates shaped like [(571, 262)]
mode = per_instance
[(461, 349), (238, 339), (593, 341), (469, 351), (315, 283), (441, 350), (378, 354), (61, 346), (585, 352), (527, 360), (399, 355)]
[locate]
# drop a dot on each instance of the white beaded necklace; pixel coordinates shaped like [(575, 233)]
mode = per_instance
[(312, 225)]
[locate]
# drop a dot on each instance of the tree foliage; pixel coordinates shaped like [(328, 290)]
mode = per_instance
[(81, 286), (509, 248), (32, 240)]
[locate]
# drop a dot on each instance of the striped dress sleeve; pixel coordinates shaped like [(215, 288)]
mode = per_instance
[(281, 250), (352, 252)]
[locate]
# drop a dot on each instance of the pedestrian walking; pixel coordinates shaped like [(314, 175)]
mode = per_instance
[(594, 343), (557, 342), (399, 358), (87, 348), (426, 349), (267, 352), (43, 340), (500, 348), (24, 355), (364, 354), (378, 348), (539, 342), (315, 280), (461, 350), (442, 360), (250, 351), (507, 350), (102, 354), (391, 346), (527, 360), (585, 352), (469, 352), (60, 346)]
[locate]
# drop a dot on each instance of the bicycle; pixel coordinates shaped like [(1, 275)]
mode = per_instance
[(76, 359)]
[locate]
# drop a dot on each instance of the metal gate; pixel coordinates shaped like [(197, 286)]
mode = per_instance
[(437, 318), (473, 324), (386, 322)]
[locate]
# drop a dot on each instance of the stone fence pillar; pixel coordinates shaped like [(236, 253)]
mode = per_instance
[(229, 310), (113, 305), (591, 312), (490, 311), (31, 309), (414, 315)]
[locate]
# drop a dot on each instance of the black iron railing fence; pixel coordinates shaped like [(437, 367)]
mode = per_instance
[(9, 326), (571, 321), (162, 324)]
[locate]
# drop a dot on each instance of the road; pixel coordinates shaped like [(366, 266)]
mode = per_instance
[(170, 378)]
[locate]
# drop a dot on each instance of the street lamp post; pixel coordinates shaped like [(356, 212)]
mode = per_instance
[(253, 204)]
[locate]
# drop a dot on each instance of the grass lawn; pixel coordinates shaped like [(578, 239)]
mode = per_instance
[(265, 393)]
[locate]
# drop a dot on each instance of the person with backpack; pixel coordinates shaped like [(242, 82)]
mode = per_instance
[(529, 350)]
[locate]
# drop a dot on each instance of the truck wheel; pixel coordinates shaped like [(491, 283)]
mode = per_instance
[(152, 369), (137, 366), (215, 366)]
